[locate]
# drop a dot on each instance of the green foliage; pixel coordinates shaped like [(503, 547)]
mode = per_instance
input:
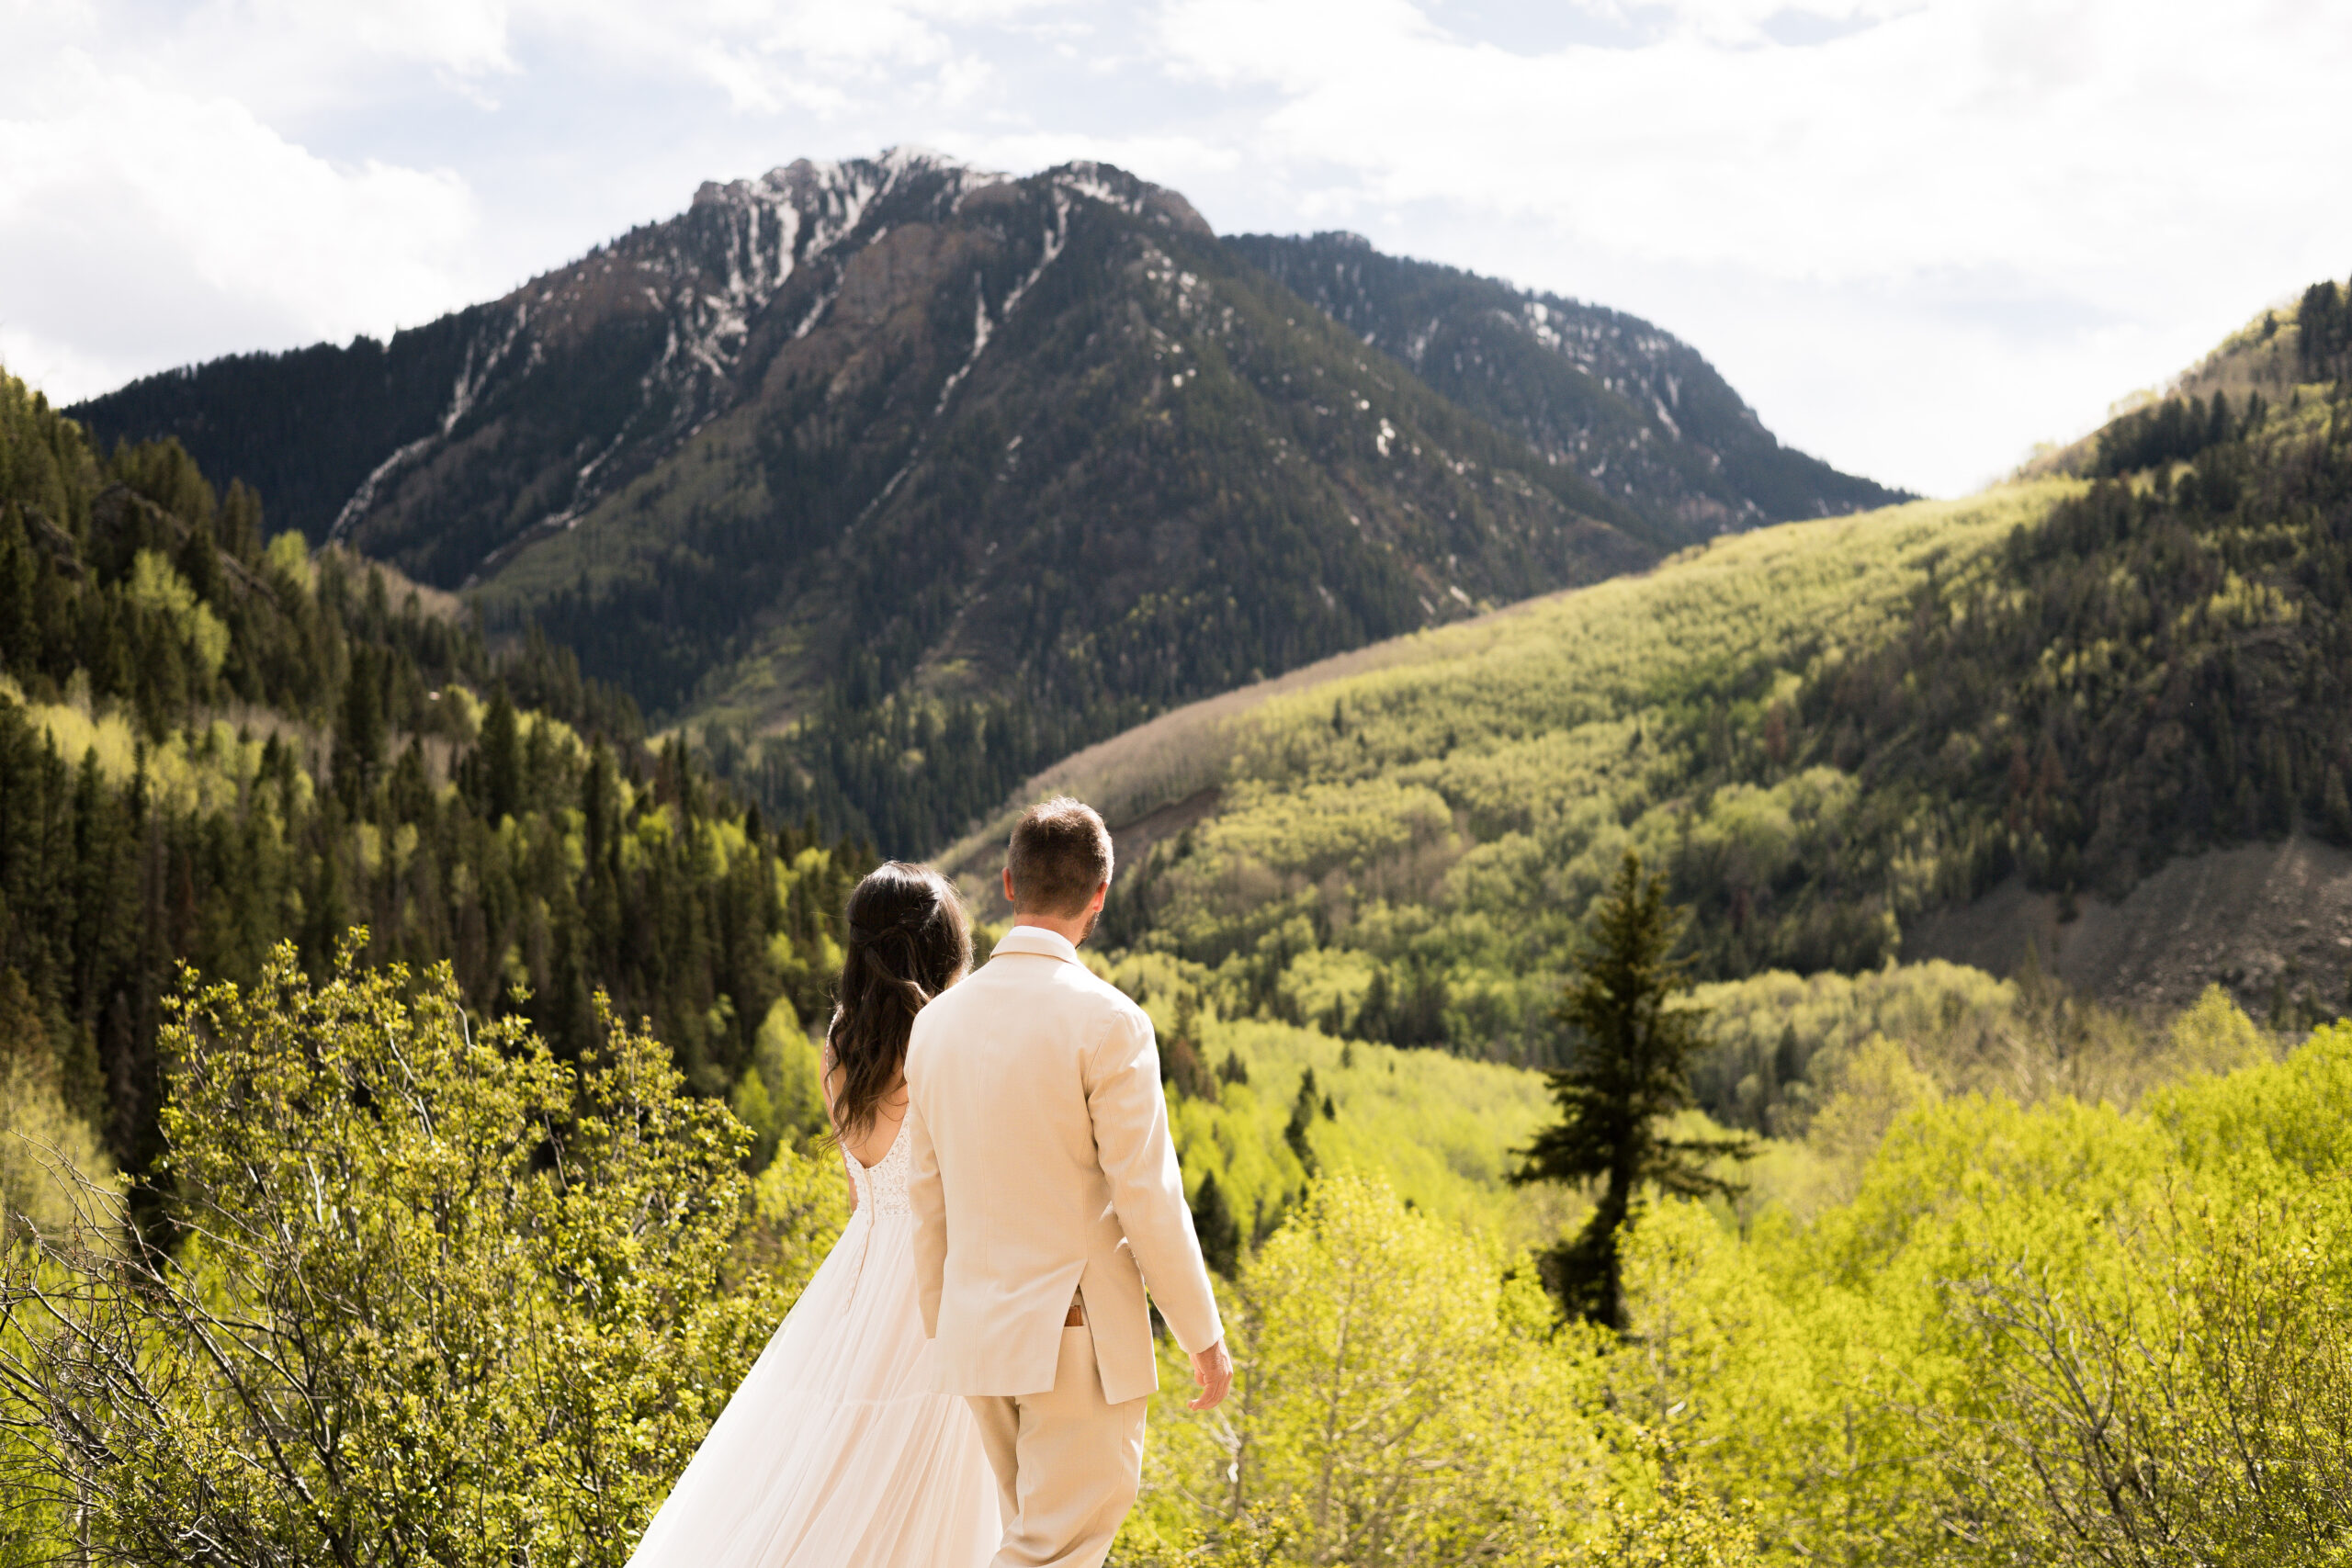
[(781, 1095), (1779, 1042), (433, 1296), (1213, 1223), (1448, 846), (1403, 1395), (1884, 1361), (45, 1150), (2170, 432), (2064, 1334), (1630, 1074), (2323, 332), (1388, 1393), (208, 746)]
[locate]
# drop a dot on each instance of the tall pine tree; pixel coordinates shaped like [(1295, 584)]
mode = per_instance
[(1628, 1074)]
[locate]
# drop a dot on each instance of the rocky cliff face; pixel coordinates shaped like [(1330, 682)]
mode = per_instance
[(590, 376)]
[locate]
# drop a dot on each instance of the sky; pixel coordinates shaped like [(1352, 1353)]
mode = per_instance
[(1918, 235)]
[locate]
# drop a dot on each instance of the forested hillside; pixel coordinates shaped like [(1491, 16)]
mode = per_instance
[(210, 744), (1640, 411), (1822, 730)]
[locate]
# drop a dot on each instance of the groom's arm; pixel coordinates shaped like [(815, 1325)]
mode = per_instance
[(928, 1201), (1147, 1189)]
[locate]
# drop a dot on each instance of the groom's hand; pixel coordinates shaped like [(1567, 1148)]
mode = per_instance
[(1213, 1370)]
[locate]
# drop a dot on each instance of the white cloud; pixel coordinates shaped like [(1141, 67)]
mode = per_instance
[(1951, 136), (2081, 181), (145, 225), (767, 55)]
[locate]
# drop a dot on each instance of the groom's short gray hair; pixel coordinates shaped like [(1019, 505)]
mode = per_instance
[(1060, 854)]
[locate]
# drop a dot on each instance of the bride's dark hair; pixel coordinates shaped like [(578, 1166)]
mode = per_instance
[(908, 941)]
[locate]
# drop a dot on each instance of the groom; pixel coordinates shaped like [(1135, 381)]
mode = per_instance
[(1046, 1194)]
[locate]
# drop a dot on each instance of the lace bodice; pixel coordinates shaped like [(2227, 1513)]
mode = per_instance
[(883, 1190)]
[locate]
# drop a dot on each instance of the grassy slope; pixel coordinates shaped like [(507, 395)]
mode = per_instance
[(1449, 803), (1504, 679)]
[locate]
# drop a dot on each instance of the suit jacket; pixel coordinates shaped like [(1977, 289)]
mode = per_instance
[(1042, 1166)]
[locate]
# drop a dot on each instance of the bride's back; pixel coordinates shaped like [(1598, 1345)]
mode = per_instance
[(870, 1147)]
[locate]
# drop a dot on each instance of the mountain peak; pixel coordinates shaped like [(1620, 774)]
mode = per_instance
[(1136, 196), (846, 183)]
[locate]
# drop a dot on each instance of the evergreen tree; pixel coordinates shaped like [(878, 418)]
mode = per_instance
[(500, 755), (1302, 1117), (1630, 1074), (359, 732), (1219, 1231), (2335, 808)]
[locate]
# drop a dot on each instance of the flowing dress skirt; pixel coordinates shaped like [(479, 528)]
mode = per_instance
[(835, 1453)]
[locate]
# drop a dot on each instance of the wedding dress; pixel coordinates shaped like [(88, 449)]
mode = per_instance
[(835, 1453)]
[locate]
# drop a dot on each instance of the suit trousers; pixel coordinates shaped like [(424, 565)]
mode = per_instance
[(1067, 1463)]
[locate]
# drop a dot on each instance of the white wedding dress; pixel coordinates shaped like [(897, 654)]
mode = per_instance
[(834, 1452)]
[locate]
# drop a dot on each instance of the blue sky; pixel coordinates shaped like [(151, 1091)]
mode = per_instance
[(1920, 235)]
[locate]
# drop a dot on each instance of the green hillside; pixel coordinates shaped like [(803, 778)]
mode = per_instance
[(1823, 730), (208, 745), (1404, 853)]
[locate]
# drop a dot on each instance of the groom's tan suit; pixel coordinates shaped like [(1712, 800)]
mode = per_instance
[(1042, 1173)]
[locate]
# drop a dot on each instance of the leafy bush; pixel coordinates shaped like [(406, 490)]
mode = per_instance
[(2061, 1334), (421, 1291), (1398, 1399)]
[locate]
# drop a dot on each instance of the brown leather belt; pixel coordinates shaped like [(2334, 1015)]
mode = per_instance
[(1077, 1318)]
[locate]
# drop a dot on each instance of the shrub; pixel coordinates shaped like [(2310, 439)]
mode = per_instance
[(418, 1292)]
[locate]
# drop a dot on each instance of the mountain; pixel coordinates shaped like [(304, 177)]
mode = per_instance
[(2108, 716), (1637, 410), (894, 478), (1044, 437), (209, 745)]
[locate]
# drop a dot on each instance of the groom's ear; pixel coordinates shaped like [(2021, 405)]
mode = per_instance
[(1100, 893), (1008, 888)]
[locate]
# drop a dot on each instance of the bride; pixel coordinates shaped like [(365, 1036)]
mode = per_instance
[(834, 1452)]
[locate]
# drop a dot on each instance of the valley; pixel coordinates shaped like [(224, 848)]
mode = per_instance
[(501, 714)]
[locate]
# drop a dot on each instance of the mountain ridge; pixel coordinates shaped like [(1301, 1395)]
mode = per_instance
[(1581, 383)]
